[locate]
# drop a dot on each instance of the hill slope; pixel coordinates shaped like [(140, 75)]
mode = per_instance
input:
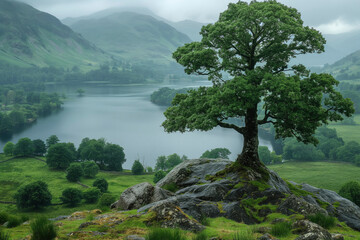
[(347, 68), (29, 37), (133, 37)]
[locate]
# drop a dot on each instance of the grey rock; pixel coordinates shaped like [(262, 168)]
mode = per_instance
[(267, 236), (310, 231), (237, 213), (209, 192), (337, 237), (140, 195), (145, 208), (276, 182), (169, 215), (295, 204), (347, 211), (59, 218), (191, 172), (134, 237), (86, 224)]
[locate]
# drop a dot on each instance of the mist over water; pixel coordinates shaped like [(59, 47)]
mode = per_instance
[(124, 115)]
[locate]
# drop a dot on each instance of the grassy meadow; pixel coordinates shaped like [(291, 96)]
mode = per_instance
[(348, 132)]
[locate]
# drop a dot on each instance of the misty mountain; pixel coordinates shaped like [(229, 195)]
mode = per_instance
[(188, 27), (29, 37), (132, 37)]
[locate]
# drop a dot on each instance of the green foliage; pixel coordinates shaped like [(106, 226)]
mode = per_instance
[(165, 95), (264, 155), (299, 151), (34, 195), (101, 184), (348, 152), (323, 220), (107, 199), (9, 149), (60, 155), (137, 168), (13, 221), (39, 147), (166, 163), (43, 229), (243, 235), (172, 187), (281, 229), (149, 170), (200, 236), (160, 163), (74, 172), (3, 217), (217, 153), (53, 139), (24, 147), (204, 220), (351, 191), (159, 175), (90, 169), (91, 195), (71, 196), (165, 234), (4, 236)]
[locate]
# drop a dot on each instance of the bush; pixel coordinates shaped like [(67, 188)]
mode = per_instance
[(74, 172), (9, 149), (165, 234), (13, 222), (101, 184), (71, 196), (323, 220), (107, 199), (351, 191), (3, 217), (34, 195), (42, 229), (90, 169), (282, 229), (137, 168), (60, 155), (91, 195), (159, 175)]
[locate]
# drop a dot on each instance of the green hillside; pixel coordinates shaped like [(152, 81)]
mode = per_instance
[(29, 37), (347, 68), (133, 37)]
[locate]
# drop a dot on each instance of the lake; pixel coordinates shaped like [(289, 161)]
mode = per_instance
[(124, 115)]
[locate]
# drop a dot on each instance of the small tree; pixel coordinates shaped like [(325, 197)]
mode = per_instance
[(39, 147), (34, 195), (160, 163), (351, 191), (91, 195), (158, 176), (106, 200), (59, 156), (137, 168), (9, 149), (172, 161), (90, 169), (101, 184), (53, 139), (24, 147), (264, 155), (149, 170), (74, 172), (71, 196), (114, 157), (217, 153)]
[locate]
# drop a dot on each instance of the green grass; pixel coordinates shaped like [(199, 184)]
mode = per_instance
[(19, 172), (348, 132), (282, 229), (323, 220), (328, 175)]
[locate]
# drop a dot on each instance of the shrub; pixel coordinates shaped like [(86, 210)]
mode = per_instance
[(137, 168), (91, 195), (351, 191), (165, 234), (107, 199), (101, 184), (90, 169), (3, 217), (13, 222), (9, 149), (74, 172), (71, 196), (34, 195), (323, 220), (4, 236), (282, 229), (159, 175), (42, 229)]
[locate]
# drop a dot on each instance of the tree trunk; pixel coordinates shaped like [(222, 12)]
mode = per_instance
[(249, 156)]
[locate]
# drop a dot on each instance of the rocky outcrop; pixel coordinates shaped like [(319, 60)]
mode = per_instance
[(242, 195), (310, 231), (140, 195)]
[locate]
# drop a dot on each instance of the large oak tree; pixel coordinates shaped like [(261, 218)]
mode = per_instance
[(253, 44)]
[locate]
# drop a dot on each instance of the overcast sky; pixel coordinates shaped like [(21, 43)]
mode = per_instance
[(329, 16)]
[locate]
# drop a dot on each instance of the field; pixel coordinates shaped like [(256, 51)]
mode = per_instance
[(348, 132), (18, 172), (328, 175)]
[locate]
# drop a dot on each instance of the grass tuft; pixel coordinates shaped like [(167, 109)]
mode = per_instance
[(200, 236), (3, 217), (244, 235), (43, 229), (172, 187), (165, 234), (13, 222), (323, 220), (4, 236), (282, 229)]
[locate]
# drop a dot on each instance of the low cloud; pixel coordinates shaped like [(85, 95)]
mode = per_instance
[(338, 26)]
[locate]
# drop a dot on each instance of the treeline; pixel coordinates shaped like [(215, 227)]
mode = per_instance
[(60, 155), (21, 104), (351, 91), (165, 95)]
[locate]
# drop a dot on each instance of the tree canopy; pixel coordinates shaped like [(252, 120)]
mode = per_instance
[(252, 43)]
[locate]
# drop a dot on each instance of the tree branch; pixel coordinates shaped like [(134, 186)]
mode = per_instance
[(240, 130)]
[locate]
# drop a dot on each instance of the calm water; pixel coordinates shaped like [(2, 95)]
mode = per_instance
[(124, 115)]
